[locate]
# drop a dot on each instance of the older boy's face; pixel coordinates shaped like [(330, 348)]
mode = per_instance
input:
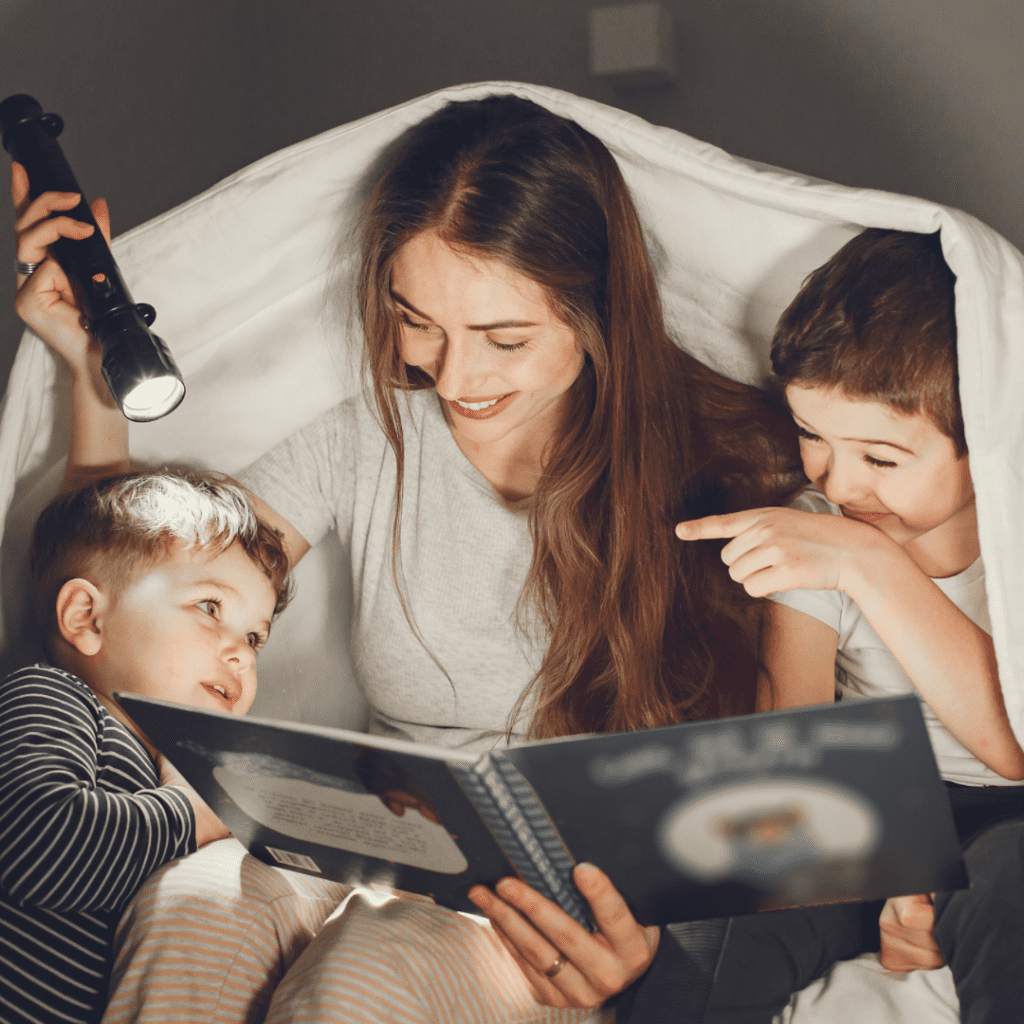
[(899, 473), (187, 630)]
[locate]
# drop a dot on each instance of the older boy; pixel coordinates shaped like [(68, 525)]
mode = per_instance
[(163, 584), (878, 587)]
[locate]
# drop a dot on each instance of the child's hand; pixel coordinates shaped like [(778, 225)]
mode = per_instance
[(787, 549), (907, 925), (45, 300), (208, 826)]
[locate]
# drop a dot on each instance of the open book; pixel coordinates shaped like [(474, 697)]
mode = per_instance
[(706, 819)]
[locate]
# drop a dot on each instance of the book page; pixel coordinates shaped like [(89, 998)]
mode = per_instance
[(356, 822)]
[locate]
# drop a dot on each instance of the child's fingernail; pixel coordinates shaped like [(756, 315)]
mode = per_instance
[(588, 872)]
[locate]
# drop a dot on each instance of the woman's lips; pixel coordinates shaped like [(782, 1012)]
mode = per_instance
[(866, 517), (482, 414)]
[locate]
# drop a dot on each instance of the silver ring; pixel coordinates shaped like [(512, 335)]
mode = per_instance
[(26, 268), (554, 968)]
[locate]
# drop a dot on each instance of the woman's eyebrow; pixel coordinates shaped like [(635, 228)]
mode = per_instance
[(501, 325), (408, 305), (498, 325)]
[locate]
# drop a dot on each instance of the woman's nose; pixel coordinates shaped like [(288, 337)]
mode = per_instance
[(460, 371)]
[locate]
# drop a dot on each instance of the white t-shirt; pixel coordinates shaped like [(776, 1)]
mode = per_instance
[(866, 668), (465, 555)]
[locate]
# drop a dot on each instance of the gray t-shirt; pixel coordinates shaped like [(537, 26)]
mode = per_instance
[(465, 555)]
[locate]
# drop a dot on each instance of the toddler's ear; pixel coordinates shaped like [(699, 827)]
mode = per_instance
[(79, 603)]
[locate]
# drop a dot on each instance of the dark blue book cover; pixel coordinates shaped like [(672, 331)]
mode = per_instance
[(809, 805)]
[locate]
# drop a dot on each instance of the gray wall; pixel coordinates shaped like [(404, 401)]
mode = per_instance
[(162, 98)]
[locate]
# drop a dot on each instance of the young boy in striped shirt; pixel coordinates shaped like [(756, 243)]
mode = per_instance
[(163, 584)]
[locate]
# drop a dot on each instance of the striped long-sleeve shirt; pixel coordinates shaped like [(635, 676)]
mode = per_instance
[(83, 821)]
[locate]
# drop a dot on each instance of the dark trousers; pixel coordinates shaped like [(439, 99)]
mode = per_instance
[(762, 959)]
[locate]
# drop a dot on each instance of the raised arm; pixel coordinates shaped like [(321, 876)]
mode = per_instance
[(99, 433), (948, 658), (295, 545)]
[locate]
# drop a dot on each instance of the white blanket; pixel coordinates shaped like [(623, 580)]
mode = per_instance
[(243, 283)]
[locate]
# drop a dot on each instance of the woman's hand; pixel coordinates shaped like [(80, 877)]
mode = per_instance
[(45, 300), (541, 936), (907, 925), (99, 433), (788, 549)]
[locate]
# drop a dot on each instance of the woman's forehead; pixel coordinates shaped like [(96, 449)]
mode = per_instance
[(433, 279)]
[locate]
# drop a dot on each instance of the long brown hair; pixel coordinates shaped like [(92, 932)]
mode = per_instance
[(644, 629)]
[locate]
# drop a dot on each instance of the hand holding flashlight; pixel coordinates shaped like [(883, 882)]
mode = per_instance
[(136, 365), (45, 299)]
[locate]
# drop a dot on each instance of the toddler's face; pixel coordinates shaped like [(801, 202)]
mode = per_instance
[(187, 630), (899, 473)]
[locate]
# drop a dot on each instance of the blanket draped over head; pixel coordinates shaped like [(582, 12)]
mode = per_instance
[(250, 282)]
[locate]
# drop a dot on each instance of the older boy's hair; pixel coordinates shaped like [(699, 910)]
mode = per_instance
[(111, 528), (878, 321)]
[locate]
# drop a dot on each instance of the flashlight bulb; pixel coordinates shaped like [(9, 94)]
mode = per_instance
[(152, 398), (138, 368)]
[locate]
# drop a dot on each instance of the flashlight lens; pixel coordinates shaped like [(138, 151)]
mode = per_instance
[(153, 398)]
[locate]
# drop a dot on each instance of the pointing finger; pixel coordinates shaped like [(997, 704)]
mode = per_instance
[(707, 528), (715, 527)]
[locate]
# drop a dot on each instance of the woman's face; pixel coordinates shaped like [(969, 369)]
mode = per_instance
[(501, 360)]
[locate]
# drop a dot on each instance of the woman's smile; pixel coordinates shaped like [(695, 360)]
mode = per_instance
[(482, 409)]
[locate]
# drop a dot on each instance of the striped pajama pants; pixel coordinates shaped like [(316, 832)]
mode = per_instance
[(220, 938)]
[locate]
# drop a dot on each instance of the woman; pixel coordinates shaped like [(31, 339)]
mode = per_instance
[(509, 507)]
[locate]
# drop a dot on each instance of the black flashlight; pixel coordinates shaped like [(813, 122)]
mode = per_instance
[(137, 365)]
